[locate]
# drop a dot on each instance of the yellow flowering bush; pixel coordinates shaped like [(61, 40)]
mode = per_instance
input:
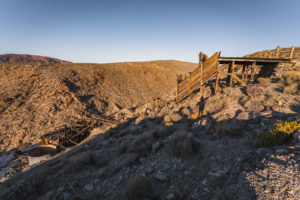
[(281, 133)]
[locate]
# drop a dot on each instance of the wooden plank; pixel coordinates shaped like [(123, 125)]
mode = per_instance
[(242, 60), (277, 52), (193, 81), (292, 52)]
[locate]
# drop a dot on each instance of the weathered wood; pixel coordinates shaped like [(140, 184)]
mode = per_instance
[(246, 75), (292, 52), (217, 83), (245, 60), (177, 88), (193, 81), (232, 71), (277, 52), (190, 86), (252, 71), (243, 72)]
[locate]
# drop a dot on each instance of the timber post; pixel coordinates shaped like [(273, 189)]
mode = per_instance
[(201, 68), (232, 68), (252, 71), (292, 52), (189, 86), (243, 72), (277, 52), (177, 88)]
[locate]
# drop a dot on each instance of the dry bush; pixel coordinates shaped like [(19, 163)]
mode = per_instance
[(263, 80), (80, 160), (291, 81), (141, 145), (282, 132), (214, 103), (255, 103), (185, 111), (183, 144), (172, 117), (139, 188), (270, 101), (122, 148), (230, 128)]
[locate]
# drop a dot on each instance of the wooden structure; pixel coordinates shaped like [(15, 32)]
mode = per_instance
[(210, 68), (73, 134)]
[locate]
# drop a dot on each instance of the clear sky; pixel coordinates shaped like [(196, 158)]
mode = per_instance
[(139, 30)]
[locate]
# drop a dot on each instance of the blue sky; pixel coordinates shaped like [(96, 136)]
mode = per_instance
[(140, 30)]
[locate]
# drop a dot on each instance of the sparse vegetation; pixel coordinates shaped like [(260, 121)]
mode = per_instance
[(263, 80), (139, 188), (282, 132), (291, 81), (183, 144)]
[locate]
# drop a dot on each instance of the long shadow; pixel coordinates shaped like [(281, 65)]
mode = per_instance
[(217, 171)]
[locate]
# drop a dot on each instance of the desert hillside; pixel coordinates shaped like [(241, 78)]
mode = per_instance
[(283, 53), (242, 142), (38, 98), (25, 58)]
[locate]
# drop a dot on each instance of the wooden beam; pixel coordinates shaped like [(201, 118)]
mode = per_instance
[(277, 52), (252, 71), (217, 83), (292, 52), (246, 74), (201, 68), (177, 88), (243, 72), (246, 60), (232, 69), (189, 85)]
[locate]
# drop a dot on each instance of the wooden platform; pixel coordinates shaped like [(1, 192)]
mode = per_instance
[(249, 61), (216, 67)]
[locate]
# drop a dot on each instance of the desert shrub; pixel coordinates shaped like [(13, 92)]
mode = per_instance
[(122, 148), (230, 128), (183, 144), (281, 133), (185, 111), (139, 188), (214, 103), (141, 145), (172, 117), (86, 158), (263, 80), (291, 81)]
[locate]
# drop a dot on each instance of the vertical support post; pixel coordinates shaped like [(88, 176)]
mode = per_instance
[(243, 72), (292, 52), (277, 51), (252, 71), (229, 71), (246, 74), (201, 68), (217, 77), (232, 68), (189, 78), (217, 83), (177, 88)]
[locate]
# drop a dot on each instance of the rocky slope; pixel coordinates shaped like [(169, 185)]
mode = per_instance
[(25, 58), (197, 149), (283, 53), (39, 98)]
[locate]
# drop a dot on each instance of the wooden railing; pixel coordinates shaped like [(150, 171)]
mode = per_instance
[(199, 77)]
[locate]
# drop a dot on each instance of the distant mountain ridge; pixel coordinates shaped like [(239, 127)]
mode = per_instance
[(25, 58)]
